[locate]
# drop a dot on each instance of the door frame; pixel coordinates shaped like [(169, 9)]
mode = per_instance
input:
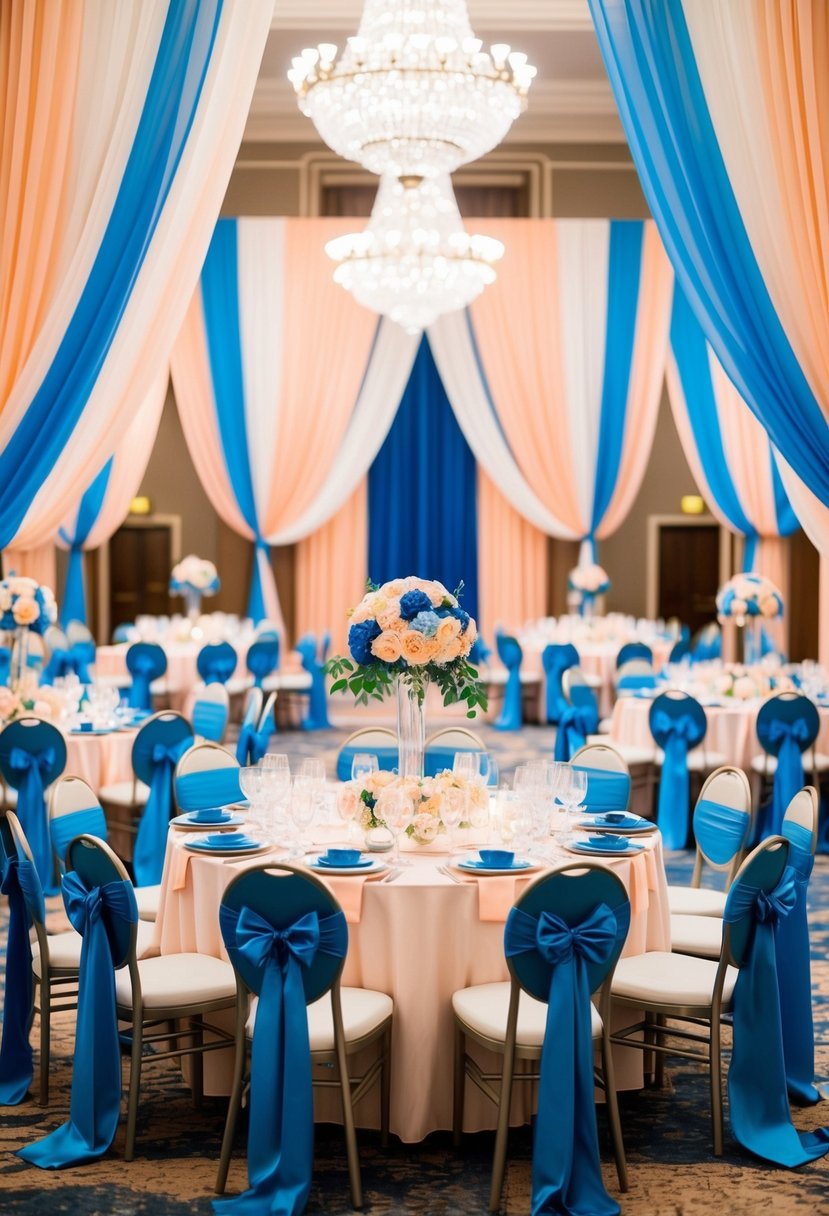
[(173, 522), (655, 523)]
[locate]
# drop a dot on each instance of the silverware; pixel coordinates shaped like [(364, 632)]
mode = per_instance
[(391, 876), (455, 877)]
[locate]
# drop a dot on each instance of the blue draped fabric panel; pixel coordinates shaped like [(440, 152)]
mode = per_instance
[(73, 604), (422, 491)]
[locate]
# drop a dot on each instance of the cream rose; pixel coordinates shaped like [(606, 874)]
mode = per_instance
[(348, 802), (416, 649), (448, 629), (394, 589), (451, 651), (386, 647), (425, 827), (769, 606), (391, 619), (19, 585), (25, 610), (9, 703)]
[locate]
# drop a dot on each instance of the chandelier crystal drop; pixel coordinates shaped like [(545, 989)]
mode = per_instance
[(415, 260), (413, 94)]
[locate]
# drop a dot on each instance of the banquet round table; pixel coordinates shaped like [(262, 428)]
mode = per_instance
[(419, 939), (731, 727), (100, 759)]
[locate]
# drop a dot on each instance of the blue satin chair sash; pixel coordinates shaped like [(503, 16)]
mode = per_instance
[(281, 1126), (635, 683), (95, 1101), (151, 838), (208, 788), (317, 715), (5, 664), (262, 658), (15, 1050), (29, 769), (789, 739), (720, 831), (577, 722), (73, 660), (387, 759), (758, 1102), (674, 734), (210, 719), (556, 659), (794, 974), (606, 790), (511, 655), (144, 668), (64, 828), (566, 1171)]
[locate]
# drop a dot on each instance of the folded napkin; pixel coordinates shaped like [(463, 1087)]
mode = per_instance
[(496, 892), (179, 864), (348, 889)]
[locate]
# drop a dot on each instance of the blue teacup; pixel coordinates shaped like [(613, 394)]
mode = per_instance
[(209, 814), (341, 857), (615, 816), (496, 859)]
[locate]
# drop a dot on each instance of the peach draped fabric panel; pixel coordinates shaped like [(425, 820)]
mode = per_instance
[(512, 563), (331, 571)]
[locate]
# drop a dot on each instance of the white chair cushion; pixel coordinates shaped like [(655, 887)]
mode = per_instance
[(147, 899), (125, 793), (65, 948), (238, 685), (484, 1009), (699, 935), (700, 760), (768, 764), (664, 978), (291, 681), (178, 980), (696, 901), (631, 753), (605, 725), (363, 1012), (10, 797)]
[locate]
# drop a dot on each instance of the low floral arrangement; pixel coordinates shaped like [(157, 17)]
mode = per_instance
[(743, 682), (362, 801), (194, 574), (29, 697), (588, 581), (413, 630), (25, 604), (748, 595)]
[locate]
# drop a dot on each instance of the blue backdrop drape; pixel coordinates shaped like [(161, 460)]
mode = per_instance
[(422, 500)]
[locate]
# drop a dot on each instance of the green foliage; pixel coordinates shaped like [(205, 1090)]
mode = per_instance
[(457, 681)]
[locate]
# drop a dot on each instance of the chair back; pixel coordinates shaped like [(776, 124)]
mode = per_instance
[(511, 655), (377, 741), (800, 822), (96, 865), (706, 643), (634, 675), (167, 730), (571, 894), (679, 651), (34, 738), (123, 633), (443, 745), (281, 895), (722, 822), (556, 658), (787, 715), (310, 654), (216, 662), (210, 711), (78, 631), (74, 810), (267, 717), (672, 708), (262, 658), (759, 874), (608, 778), (245, 744), (30, 883), (146, 661), (576, 689), (634, 650), (206, 776)]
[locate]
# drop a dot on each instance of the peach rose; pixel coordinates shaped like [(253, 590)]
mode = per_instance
[(431, 806), (361, 613), (394, 589), (425, 828), (448, 629), (9, 703), (348, 802), (386, 647), (391, 619), (25, 610), (5, 599), (769, 606), (451, 651), (417, 649)]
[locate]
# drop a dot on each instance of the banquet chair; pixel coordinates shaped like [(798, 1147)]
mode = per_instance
[(679, 651), (787, 726), (262, 658), (207, 775), (210, 711), (312, 657), (32, 756), (722, 826), (157, 746), (633, 676), (706, 644), (581, 717), (70, 653), (678, 725), (123, 633), (634, 650), (443, 746), (511, 655), (580, 693), (153, 993), (379, 741), (146, 663), (514, 1019), (340, 1021), (74, 810), (684, 998), (556, 658), (608, 777), (216, 662), (257, 727)]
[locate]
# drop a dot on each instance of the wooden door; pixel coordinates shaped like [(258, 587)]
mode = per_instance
[(140, 560), (689, 573)]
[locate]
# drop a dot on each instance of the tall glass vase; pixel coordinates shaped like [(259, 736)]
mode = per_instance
[(19, 655), (752, 641), (411, 731), (192, 600)]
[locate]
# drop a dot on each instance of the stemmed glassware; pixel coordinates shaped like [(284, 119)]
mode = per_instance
[(302, 810), (452, 811), (363, 764), (251, 785), (396, 809)]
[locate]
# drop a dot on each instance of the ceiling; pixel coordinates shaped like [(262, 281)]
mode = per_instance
[(570, 99)]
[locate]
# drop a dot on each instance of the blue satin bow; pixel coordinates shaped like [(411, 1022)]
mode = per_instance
[(15, 1050), (790, 739), (758, 1102), (566, 1171), (151, 839), (673, 734), (577, 722), (73, 660), (95, 1101), (31, 767), (281, 1125)]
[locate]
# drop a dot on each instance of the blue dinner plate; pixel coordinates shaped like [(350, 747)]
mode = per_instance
[(224, 843), (611, 846), (325, 864), (184, 821), (482, 868), (631, 823)]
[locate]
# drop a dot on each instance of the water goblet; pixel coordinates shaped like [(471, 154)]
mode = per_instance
[(452, 810), (250, 783), (465, 765), (302, 810), (363, 764), (276, 762), (396, 809)]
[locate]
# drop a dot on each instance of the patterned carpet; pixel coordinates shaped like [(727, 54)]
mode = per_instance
[(667, 1132)]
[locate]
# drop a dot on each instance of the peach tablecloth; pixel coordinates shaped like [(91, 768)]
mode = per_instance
[(731, 728), (100, 759), (419, 939)]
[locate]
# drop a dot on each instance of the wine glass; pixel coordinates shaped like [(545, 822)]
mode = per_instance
[(250, 783), (465, 765), (363, 764), (276, 762), (452, 809), (302, 810), (396, 809)]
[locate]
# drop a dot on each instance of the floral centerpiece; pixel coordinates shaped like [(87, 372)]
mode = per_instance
[(25, 607), (404, 635), (361, 800), (748, 599), (585, 583), (29, 697), (194, 577)]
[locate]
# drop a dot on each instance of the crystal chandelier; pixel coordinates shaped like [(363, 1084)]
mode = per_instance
[(413, 93), (415, 260)]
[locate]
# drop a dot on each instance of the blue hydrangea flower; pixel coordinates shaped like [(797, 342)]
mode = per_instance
[(360, 637), (460, 615), (414, 602), (426, 623)]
